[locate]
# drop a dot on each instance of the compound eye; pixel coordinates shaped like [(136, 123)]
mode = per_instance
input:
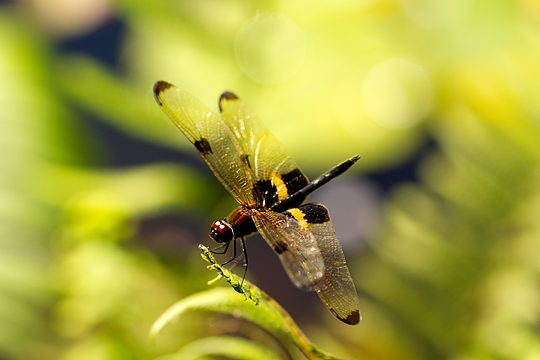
[(221, 231)]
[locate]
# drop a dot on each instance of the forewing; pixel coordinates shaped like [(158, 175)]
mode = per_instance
[(267, 159), (336, 289), (210, 136), (295, 245)]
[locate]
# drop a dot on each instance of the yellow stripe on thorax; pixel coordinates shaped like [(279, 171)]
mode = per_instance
[(281, 188), (298, 215)]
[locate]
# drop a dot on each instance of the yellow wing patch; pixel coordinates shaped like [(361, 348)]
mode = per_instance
[(281, 188), (299, 216)]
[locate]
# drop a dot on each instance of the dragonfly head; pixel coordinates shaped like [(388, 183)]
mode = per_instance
[(221, 231)]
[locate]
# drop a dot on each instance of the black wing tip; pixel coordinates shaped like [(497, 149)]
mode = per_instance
[(353, 318), (227, 95), (160, 87)]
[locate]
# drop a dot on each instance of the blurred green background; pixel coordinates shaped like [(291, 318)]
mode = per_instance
[(102, 201)]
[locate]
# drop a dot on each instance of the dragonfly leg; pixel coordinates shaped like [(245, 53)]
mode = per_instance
[(224, 246)]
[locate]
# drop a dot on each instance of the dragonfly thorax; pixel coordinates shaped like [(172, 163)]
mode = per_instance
[(237, 225)]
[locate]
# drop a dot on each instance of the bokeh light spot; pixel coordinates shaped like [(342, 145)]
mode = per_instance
[(67, 18), (396, 93), (270, 48)]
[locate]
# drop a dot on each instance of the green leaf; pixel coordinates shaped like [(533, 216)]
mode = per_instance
[(226, 346), (261, 310)]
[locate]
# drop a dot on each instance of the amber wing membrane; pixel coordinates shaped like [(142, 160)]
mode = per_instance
[(295, 245), (212, 138), (336, 288), (265, 155)]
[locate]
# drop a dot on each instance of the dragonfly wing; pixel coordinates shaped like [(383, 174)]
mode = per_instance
[(211, 137), (276, 173), (295, 245), (336, 289)]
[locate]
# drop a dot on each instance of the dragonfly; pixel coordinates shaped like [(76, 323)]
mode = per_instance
[(271, 192)]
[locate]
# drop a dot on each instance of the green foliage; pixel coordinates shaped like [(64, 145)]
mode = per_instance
[(261, 310), (451, 273), (229, 347)]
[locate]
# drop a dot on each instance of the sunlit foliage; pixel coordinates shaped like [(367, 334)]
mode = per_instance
[(92, 253)]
